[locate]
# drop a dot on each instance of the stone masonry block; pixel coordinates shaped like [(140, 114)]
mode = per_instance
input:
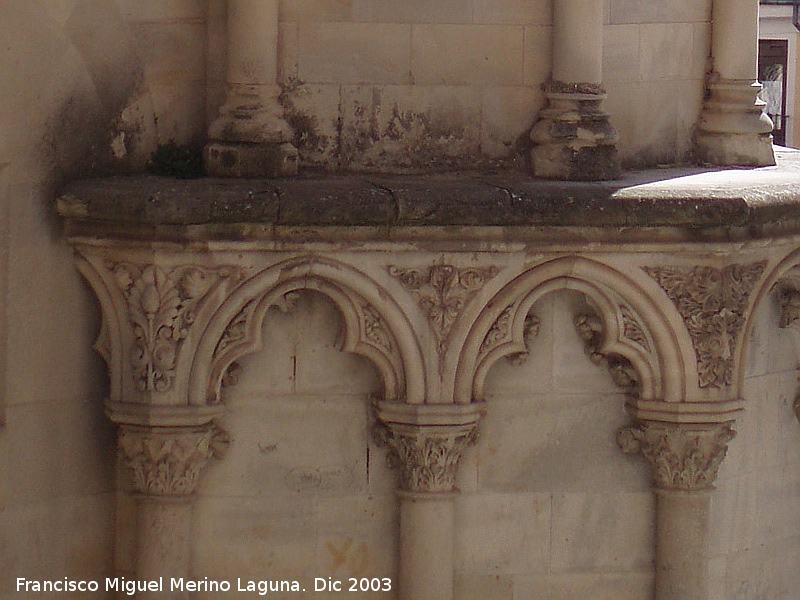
[(538, 50), (666, 50), (315, 10), (667, 11), (621, 53), (513, 12), (354, 53), (410, 126), (162, 10), (637, 585), (467, 55), (502, 533), (596, 531), (413, 11), (270, 454)]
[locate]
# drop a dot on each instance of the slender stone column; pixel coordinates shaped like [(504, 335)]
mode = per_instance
[(685, 460), (251, 138), (165, 465), (573, 139), (733, 129), (427, 441)]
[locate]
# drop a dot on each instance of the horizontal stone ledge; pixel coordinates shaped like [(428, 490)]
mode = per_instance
[(720, 203)]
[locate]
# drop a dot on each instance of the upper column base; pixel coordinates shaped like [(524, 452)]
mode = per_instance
[(574, 139), (250, 138), (733, 129), (242, 159)]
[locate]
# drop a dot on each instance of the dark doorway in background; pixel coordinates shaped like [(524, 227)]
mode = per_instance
[(772, 64)]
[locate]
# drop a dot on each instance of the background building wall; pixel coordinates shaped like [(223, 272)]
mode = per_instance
[(86, 87), (427, 84)]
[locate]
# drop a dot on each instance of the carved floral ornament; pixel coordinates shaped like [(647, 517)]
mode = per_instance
[(442, 291), (713, 304), (168, 461), (681, 457), (162, 306)]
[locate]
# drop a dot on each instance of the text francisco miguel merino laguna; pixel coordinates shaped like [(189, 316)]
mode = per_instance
[(179, 584)]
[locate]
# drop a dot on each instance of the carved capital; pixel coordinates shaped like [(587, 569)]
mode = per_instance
[(682, 457), (427, 442), (167, 461)]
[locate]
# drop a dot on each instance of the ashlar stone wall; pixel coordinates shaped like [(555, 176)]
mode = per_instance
[(427, 84)]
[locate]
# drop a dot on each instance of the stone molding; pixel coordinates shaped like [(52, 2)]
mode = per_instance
[(623, 373), (427, 442), (167, 461), (713, 303), (682, 457)]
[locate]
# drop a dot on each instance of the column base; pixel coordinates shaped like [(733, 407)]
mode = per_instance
[(574, 139), (733, 129), (250, 160)]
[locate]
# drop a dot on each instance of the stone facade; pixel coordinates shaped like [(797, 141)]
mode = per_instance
[(424, 378)]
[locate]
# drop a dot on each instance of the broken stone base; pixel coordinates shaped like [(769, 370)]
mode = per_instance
[(560, 161), (241, 159), (574, 140)]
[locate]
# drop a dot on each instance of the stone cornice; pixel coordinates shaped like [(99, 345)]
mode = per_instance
[(712, 204)]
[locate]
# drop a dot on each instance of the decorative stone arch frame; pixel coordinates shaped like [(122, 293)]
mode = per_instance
[(375, 326), (658, 356)]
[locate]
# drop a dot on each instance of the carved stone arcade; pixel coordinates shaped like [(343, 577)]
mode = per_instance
[(669, 305)]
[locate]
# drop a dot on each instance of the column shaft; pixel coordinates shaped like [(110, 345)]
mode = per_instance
[(427, 442), (733, 129), (682, 545), (426, 546), (251, 138), (734, 38), (685, 460), (573, 139), (163, 543), (578, 41), (253, 42)]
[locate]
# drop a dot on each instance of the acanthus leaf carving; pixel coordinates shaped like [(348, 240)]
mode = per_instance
[(428, 458), (681, 457), (162, 306), (168, 461), (375, 328), (632, 329), (500, 333), (713, 304)]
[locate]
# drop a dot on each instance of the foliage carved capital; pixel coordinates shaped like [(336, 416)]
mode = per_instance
[(167, 461), (681, 457), (427, 445)]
